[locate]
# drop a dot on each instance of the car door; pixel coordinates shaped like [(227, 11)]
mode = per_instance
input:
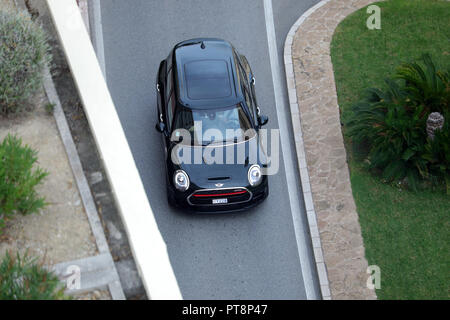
[(246, 76), (246, 66), (251, 81), (160, 88), (169, 106), (169, 109)]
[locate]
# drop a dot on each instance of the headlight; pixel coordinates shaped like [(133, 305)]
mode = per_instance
[(254, 175), (181, 180)]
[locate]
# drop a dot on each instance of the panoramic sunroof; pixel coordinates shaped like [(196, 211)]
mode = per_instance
[(207, 79)]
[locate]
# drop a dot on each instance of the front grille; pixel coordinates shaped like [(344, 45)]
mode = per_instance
[(218, 178), (205, 197)]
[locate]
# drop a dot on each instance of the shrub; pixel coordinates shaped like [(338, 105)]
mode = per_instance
[(23, 54), (18, 179), (388, 127), (395, 136), (50, 108), (22, 278), (426, 86)]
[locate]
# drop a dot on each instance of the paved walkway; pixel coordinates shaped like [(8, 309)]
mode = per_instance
[(319, 140), (74, 237)]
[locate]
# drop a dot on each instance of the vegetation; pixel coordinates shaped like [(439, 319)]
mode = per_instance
[(405, 232), (425, 86), (18, 179), (390, 125), (50, 108), (23, 54), (22, 278)]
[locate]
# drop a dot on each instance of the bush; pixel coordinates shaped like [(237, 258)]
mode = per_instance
[(389, 127), (18, 179), (23, 54), (22, 278), (426, 86)]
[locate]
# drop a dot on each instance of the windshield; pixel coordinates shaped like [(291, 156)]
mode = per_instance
[(206, 126)]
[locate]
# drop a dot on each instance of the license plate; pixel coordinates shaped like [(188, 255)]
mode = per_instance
[(219, 201)]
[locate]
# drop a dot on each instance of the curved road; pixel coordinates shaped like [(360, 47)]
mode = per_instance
[(261, 254)]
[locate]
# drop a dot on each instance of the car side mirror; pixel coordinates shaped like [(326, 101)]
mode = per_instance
[(160, 127), (262, 120)]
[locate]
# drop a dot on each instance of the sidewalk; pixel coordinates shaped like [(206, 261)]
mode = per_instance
[(68, 231), (339, 250)]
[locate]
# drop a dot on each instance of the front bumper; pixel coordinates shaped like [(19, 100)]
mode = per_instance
[(185, 201)]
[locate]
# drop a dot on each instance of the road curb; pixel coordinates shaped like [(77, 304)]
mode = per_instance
[(301, 154)]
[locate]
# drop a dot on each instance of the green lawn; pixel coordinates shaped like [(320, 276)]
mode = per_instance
[(405, 233)]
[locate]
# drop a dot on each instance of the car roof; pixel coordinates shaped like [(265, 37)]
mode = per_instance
[(206, 74)]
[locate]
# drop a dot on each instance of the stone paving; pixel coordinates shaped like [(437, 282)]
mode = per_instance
[(316, 122)]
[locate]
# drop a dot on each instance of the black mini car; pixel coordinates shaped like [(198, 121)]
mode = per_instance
[(207, 110)]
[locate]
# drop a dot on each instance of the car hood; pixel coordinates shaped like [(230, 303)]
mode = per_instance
[(218, 166)]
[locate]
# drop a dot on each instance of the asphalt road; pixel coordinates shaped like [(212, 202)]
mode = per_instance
[(251, 255)]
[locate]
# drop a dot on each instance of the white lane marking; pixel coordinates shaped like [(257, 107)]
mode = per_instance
[(297, 216)]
